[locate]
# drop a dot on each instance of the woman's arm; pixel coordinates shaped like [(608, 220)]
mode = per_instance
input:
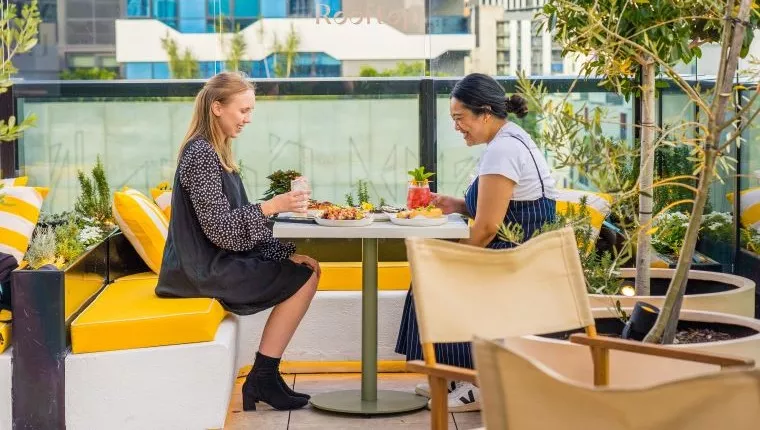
[(241, 229), (494, 193)]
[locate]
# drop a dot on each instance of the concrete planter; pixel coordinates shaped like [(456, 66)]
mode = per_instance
[(706, 291), (636, 370)]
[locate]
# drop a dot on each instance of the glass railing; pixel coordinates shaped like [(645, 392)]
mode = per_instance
[(365, 129), (335, 131)]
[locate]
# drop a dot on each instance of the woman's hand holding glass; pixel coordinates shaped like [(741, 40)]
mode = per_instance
[(447, 204), (293, 201)]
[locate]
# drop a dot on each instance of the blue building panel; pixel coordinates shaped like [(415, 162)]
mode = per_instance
[(249, 8), (138, 8), (138, 70), (219, 7), (161, 71), (210, 68), (165, 9), (274, 8), (192, 16)]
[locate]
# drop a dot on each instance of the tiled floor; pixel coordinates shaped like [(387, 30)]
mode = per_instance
[(308, 418)]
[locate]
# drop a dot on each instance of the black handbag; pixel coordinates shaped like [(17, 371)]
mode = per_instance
[(7, 265)]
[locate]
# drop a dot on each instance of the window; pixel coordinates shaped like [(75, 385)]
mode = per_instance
[(80, 33), (138, 8), (301, 8), (165, 10), (220, 7), (81, 61), (79, 9), (105, 32), (107, 9)]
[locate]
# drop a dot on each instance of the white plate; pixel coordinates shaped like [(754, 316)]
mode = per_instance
[(419, 221), (344, 223), (382, 216), (311, 213), (294, 215)]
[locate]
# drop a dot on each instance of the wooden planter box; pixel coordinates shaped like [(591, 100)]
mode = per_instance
[(44, 303)]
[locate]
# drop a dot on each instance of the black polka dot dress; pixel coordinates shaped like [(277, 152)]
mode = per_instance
[(221, 246)]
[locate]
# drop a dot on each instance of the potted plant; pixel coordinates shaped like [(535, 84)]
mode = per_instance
[(575, 138), (659, 34), (279, 183), (73, 243)]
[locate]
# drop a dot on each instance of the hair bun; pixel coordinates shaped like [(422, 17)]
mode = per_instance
[(516, 105)]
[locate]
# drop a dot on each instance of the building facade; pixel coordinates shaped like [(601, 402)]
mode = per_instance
[(508, 39), (42, 62), (317, 38)]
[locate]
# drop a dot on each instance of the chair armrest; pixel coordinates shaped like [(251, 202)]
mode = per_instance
[(722, 360), (452, 373)]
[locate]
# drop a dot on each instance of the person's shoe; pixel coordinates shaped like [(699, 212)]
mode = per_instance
[(464, 398), (264, 384), (290, 392), (265, 388), (424, 389)]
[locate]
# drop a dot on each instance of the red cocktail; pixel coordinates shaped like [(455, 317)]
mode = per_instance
[(418, 195)]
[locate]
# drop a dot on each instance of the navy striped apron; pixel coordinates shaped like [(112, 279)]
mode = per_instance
[(531, 215)]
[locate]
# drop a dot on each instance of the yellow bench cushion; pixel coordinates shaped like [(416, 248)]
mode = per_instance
[(79, 287), (129, 315), (348, 276), (5, 330), (339, 276)]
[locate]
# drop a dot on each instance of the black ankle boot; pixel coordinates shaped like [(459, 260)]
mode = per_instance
[(264, 384), (289, 391)]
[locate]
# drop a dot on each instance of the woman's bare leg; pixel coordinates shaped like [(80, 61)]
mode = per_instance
[(285, 317)]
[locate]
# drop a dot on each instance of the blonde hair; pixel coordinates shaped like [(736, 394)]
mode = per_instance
[(205, 124)]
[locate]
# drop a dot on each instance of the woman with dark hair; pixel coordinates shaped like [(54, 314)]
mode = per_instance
[(513, 186)]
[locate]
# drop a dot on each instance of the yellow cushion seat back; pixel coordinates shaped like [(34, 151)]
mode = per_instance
[(143, 224), (163, 199), (21, 181), (129, 315), (19, 214), (750, 210), (598, 204), (5, 330)]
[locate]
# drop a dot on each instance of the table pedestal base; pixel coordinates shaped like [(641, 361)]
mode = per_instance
[(350, 402)]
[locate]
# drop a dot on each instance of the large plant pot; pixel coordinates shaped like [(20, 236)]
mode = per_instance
[(705, 291), (748, 265), (630, 369)]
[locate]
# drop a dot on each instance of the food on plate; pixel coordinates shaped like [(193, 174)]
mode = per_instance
[(390, 209), (342, 213), (318, 206), (427, 212)]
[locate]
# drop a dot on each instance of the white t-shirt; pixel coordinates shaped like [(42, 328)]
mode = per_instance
[(505, 155)]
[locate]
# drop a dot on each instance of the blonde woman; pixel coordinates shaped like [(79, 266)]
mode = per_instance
[(219, 244)]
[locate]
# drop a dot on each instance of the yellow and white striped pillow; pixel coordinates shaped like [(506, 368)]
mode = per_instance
[(144, 225), (163, 199), (21, 181), (598, 205), (19, 213), (750, 210)]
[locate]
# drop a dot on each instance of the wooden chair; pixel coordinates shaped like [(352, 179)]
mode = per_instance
[(535, 288), (520, 391)]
